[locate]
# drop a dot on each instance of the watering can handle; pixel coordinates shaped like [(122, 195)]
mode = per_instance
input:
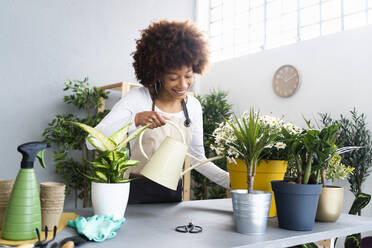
[(168, 122)]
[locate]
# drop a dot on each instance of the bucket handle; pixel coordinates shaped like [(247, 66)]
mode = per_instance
[(168, 122)]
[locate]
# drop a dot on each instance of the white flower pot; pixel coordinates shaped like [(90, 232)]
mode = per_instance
[(110, 198)]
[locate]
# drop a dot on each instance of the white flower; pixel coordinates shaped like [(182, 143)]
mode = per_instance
[(280, 145), (269, 146)]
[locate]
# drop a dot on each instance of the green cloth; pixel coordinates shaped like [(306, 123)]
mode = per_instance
[(96, 228)]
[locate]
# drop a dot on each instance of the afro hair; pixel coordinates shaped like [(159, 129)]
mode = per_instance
[(168, 45)]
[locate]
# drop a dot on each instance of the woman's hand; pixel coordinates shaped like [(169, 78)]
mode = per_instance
[(146, 117)]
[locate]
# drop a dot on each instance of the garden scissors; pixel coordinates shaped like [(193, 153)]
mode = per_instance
[(191, 228)]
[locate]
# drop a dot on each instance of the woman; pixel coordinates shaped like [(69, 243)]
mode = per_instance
[(166, 58)]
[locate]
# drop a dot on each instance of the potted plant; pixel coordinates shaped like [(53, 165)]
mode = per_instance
[(84, 102), (273, 163), (297, 201), (245, 138), (354, 131), (332, 197), (110, 190)]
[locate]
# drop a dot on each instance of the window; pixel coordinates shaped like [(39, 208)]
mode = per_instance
[(239, 27)]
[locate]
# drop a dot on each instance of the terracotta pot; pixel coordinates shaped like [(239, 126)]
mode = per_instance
[(330, 204), (266, 171)]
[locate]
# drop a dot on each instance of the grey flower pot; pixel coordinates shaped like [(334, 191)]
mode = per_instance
[(251, 211), (296, 204)]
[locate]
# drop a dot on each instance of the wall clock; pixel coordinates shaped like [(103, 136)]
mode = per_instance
[(286, 81)]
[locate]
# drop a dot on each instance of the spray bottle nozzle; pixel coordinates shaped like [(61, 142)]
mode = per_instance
[(29, 152)]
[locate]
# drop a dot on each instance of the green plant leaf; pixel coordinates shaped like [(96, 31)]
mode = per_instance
[(96, 143), (105, 141), (101, 175), (131, 162), (126, 165), (100, 165), (120, 135), (132, 136), (123, 180), (40, 156)]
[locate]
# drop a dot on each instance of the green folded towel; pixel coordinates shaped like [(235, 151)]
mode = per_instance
[(96, 228)]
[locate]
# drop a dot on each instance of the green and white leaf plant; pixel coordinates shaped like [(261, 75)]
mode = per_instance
[(68, 141), (337, 170), (113, 158)]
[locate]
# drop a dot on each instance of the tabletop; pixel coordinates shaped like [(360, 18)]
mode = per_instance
[(153, 225)]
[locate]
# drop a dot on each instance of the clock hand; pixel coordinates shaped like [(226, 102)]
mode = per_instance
[(286, 80)]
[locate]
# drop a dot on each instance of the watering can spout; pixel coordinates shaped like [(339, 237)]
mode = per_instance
[(200, 163)]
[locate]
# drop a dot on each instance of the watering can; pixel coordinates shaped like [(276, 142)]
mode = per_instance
[(165, 166)]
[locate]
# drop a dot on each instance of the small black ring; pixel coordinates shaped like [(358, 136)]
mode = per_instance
[(182, 229), (187, 123), (196, 229)]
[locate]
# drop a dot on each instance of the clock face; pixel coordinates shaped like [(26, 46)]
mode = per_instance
[(286, 81)]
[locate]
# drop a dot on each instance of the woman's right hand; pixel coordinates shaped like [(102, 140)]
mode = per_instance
[(146, 117)]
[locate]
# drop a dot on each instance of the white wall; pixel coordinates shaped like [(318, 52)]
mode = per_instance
[(335, 71), (43, 42)]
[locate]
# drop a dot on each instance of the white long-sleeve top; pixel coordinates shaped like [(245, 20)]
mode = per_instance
[(139, 100)]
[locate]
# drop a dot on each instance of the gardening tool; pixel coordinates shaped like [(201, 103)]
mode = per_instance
[(41, 243), (165, 166), (23, 213), (70, 242)]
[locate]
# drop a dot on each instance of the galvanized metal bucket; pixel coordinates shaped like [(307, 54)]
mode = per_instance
[(251, 211)]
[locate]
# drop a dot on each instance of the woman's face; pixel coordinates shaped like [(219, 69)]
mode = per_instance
[(177, 81)]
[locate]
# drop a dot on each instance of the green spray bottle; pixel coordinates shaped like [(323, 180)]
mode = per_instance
[(23, 213)]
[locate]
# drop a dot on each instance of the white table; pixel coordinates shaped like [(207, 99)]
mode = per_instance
[(152, 225)]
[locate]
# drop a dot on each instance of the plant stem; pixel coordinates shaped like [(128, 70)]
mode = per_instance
[(84, 150), (323, 176), (299, 169), (308, 167), (250, 177)]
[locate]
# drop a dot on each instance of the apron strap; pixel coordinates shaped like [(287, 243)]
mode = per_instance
[(187, 122), (186, 113)]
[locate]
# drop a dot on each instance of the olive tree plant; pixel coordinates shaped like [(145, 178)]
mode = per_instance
[(354, 131)]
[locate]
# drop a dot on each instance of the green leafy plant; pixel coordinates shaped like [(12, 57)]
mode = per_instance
[(69, 140), (245, 137), (215, 107), (337, 170), (310, 151), (354, 132), (360, 202), (113, 155)]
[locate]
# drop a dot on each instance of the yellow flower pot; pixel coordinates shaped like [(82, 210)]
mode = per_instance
[(267, 170)]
